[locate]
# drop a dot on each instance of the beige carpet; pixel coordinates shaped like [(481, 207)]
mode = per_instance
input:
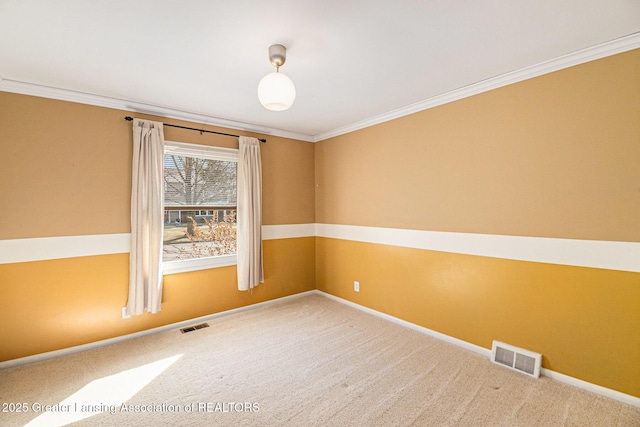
[(305, 362)]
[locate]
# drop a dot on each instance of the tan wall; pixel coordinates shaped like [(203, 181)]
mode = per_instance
[(555, 156), (66, 171), (67, 168)]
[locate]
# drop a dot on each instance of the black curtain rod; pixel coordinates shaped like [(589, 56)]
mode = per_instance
[(130, 119)]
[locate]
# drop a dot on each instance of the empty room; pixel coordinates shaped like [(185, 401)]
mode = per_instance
[(304, 213)]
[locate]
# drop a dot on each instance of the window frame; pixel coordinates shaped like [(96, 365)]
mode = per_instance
[(211, 153)]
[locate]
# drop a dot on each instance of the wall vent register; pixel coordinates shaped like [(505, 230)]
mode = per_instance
[(194, 328), (518, 359)]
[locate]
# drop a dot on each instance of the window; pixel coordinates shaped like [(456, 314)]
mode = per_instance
[(199, 207)]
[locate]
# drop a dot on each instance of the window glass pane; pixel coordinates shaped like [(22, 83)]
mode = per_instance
[(200, 212), (199, 182)]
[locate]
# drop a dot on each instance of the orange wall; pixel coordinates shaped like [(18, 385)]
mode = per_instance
[(584, 321), (67, 172), (61, 303), (556, 156)]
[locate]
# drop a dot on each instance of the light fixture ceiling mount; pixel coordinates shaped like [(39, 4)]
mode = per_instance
[(276, 91), (277, 55)]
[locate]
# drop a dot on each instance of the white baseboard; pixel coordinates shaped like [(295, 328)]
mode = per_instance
[(593, 388), (575, 382), (472, 347), (178, 325)]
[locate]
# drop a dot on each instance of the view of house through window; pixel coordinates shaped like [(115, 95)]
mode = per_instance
[(200, 203)]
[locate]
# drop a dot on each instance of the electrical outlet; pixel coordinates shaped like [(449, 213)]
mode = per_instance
[(356, 286), (124, 313)]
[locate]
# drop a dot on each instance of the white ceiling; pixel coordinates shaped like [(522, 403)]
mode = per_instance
[(351, 60)]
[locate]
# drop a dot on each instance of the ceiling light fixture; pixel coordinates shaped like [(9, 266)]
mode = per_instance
[(276, 91)]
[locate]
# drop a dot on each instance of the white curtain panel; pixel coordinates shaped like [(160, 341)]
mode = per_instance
[(147, 200), (249, 215)]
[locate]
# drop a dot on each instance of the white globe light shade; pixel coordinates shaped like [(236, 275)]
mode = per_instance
[(276, 92)]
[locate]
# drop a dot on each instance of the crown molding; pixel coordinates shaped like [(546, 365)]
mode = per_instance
[(599, 51), (613, 47), (23, 88)]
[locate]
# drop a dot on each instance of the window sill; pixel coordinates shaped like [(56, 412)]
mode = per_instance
[(186, 265)]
